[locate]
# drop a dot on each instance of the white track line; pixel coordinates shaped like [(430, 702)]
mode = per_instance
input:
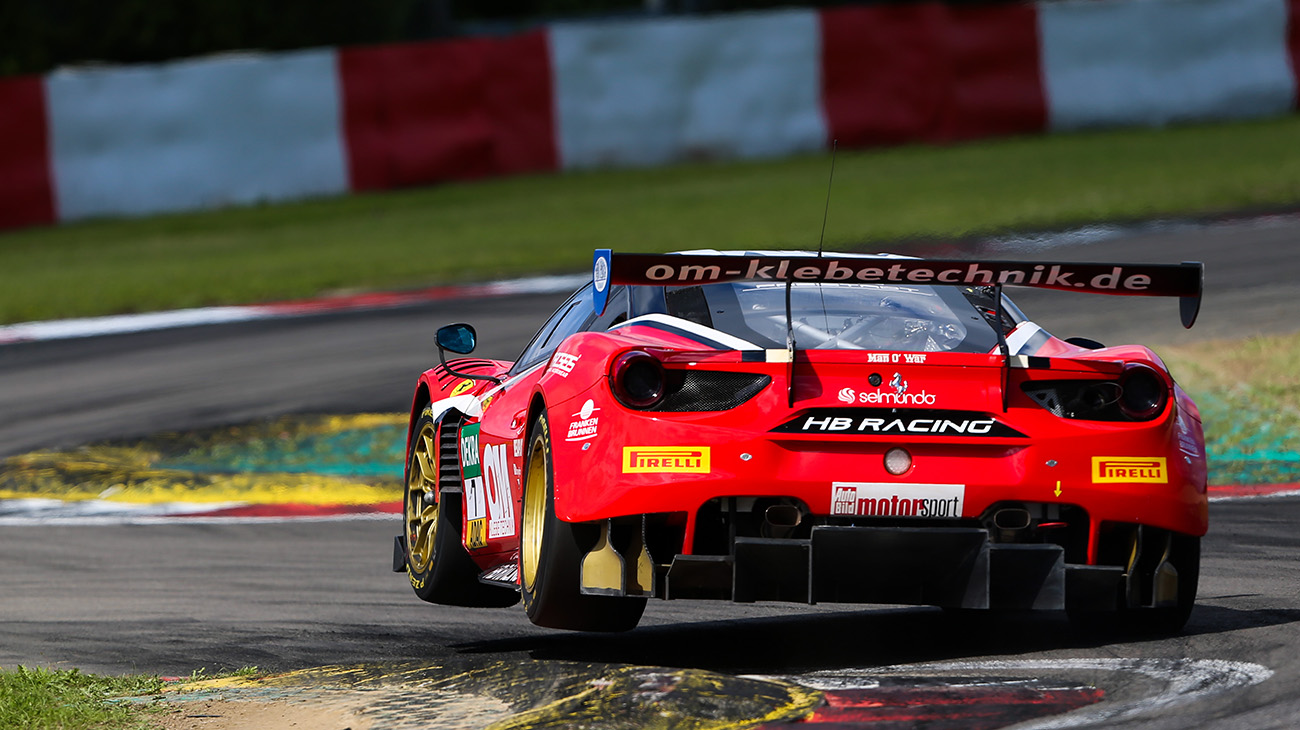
[(1185, 681), (131, 323), (43, 511)]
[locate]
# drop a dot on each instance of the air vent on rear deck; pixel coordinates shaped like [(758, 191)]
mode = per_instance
[(708, 390)]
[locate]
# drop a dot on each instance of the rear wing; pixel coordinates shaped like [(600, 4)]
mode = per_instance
[(1183, 280)]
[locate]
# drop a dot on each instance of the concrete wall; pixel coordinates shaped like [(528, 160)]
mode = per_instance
[(244, 128)]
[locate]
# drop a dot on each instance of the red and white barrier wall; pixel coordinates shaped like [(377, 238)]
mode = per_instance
[(243, 128), (657, 91), (194, 134)]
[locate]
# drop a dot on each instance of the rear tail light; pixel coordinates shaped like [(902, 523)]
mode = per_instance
[(1139, 394), (637, 379), (1143, 393), (640, 380)]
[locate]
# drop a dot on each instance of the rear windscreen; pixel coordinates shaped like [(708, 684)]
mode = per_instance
[(840, 316)]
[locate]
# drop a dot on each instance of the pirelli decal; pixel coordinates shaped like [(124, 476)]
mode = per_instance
[(665, 459), (1128, 469)]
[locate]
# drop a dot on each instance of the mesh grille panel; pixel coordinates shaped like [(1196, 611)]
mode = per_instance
[(1047, 398), (713, 391)]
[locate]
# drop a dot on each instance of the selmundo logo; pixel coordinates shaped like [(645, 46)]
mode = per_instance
[(885, 398)]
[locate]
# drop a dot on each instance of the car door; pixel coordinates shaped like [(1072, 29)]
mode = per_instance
[(493, 500)]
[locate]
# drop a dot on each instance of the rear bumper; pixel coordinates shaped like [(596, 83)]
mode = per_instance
[(1058, 469), (950, 567)]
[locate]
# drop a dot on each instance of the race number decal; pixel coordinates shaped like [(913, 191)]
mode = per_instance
[(501, 508)]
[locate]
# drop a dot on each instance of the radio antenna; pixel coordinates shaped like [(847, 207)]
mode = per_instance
[(835, 146)]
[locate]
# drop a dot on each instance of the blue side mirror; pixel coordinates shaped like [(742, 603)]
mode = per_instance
[(458, 338)]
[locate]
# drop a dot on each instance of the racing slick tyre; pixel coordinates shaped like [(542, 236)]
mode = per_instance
[(1185, 557), (437, 565), (550, 555)]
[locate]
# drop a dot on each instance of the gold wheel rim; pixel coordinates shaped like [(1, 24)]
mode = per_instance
[(421, 490), (534, 513)]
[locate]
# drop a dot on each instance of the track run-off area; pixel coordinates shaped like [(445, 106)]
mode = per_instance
[(311, 597)]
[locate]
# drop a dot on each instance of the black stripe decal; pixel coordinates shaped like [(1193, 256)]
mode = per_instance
[(1034, 343), (710, 343)]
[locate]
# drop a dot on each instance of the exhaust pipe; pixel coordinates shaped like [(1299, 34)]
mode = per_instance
[(779, 520), (1011, 523), (1012, 518)]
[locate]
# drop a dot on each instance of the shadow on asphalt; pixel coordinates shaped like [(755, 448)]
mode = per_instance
[(803, 643)]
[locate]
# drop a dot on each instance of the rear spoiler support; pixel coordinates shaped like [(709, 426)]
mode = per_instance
[(1002, 343), (789, 346)]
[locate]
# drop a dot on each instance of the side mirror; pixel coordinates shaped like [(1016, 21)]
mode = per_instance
[(458, 338)]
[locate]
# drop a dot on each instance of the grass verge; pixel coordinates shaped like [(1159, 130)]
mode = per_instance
[(1249, 395), (47, 699), (44, 699), (522, 225), (1248, 392)]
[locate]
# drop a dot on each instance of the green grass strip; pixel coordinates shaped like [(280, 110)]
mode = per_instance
[(528, 225), (1248, 392), (1249, 395), (44, 699)]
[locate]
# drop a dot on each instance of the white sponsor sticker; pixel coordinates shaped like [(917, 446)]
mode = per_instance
[(883, 499), (585, 423), (475, 499), (562, 364), (898, 398), (912, 358)]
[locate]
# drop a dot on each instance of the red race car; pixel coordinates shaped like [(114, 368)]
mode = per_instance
[(791, 426)]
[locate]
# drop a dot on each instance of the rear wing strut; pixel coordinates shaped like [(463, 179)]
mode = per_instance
[(1183, 280)]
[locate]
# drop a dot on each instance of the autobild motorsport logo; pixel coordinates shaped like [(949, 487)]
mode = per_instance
[(874, 499)]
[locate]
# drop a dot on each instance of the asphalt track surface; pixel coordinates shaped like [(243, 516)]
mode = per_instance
[(171, 598)]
